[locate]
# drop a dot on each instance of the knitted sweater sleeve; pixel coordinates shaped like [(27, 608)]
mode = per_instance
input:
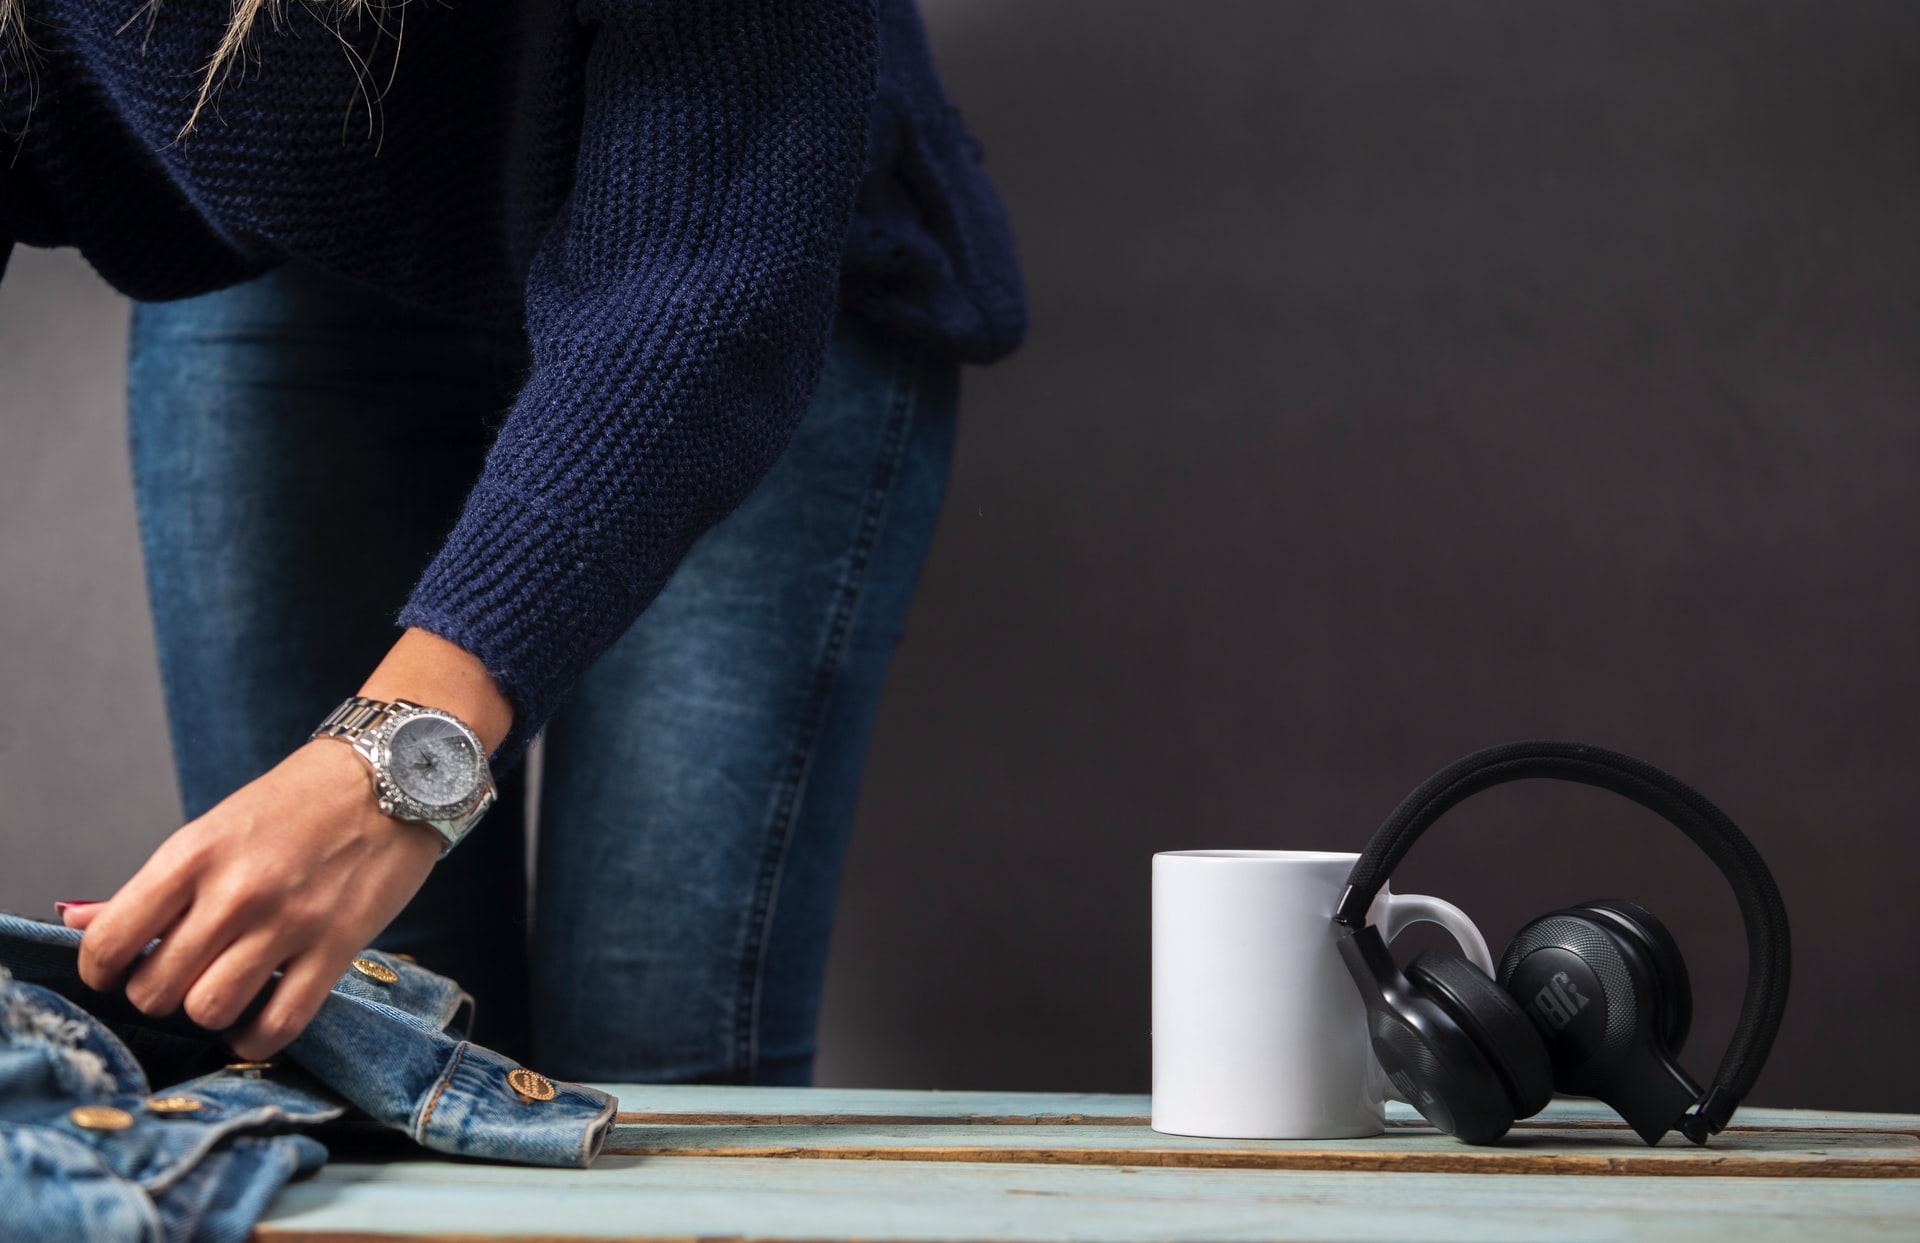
[(677, 310)]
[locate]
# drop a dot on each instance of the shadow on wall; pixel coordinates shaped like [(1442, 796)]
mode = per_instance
[(1407, 378)]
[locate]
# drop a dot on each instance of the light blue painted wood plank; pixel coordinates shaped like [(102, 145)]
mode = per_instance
[(832, 1200)]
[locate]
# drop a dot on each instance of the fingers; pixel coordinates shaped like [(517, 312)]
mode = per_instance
[(299, 867), (304, 986), (160, 981), (77, 914), (120, 928), (230, 983)]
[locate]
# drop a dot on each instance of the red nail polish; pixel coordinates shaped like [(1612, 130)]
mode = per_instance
[(61, 908)]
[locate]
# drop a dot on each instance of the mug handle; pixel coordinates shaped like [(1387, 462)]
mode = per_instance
[(1403, 910), (1406, 909)]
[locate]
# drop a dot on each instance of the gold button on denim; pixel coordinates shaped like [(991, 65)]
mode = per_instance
[(378, 972), (530, 1087), (101, 1118), (175, 1105), (250, 1070)]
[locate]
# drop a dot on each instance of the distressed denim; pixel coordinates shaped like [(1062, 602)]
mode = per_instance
[(300, 444), (205, 1174)]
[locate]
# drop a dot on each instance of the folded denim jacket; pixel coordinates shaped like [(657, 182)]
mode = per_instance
[(89, 1150)]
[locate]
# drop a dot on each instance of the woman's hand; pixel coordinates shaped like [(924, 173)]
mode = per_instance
[(295, 872)]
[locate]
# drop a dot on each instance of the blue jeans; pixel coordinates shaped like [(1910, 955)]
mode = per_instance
[(300, 445)]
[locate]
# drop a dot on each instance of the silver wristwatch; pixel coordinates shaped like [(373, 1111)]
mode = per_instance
[(428, 767)]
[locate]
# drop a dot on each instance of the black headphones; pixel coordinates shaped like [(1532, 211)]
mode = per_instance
[(1592, 1000)]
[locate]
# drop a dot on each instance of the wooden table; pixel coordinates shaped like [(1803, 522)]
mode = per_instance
[(769, 1163)]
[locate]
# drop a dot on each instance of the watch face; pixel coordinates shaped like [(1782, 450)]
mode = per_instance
[(431, 761)]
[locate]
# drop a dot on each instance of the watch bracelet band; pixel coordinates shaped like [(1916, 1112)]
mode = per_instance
[(358, 719)]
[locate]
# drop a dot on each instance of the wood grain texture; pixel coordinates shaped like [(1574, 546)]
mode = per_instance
[(1592, 1151), (699, 1105), (803, 1164), (692, 1197), (1572, 1137)]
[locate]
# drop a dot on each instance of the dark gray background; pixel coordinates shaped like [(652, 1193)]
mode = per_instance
[(1405, 377)]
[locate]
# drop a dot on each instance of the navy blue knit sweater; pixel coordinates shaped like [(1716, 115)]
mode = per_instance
[(672, 196)]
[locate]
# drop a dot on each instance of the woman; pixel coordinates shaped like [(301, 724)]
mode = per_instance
[(655, 307)]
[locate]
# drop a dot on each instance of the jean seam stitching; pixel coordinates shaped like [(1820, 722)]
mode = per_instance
[(793, 781), (433, 1102)]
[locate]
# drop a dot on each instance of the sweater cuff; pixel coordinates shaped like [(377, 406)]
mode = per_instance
[(529, 598)]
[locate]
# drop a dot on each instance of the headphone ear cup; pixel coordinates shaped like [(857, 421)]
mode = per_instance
[(1673, 987), (1489, 1016), (1591, 990), (1434, 1062), (1589, 1000)]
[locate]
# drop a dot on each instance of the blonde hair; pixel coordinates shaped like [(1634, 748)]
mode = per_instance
[(15, 41), (14, 45)]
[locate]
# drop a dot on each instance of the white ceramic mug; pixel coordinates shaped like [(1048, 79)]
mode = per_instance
[(1258, 1030)]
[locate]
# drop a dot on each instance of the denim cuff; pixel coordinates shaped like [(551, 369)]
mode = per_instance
[(450, 1095), (476, 1110), (421, 995), (385, 1046)]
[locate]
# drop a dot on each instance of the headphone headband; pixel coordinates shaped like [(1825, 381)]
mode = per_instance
[(1765, 916)]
